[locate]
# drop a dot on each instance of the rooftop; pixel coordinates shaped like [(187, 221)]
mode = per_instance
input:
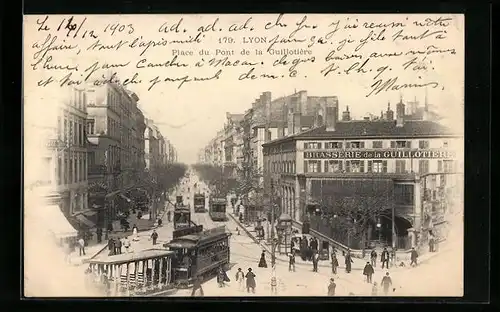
[(372, 129)]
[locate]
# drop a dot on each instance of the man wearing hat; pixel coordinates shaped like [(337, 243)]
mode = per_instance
[(250, 276)]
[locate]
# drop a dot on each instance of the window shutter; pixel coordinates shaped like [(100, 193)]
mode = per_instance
[(384, 166), (393, 144), (319, 145), (305, 145), (339, 145), (348, 165), (362, 145), (327, 165), (408, 144), (362, 166), (369, 166), (305, 166)]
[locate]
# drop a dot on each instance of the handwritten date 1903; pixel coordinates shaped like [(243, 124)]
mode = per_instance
[(117, 27)]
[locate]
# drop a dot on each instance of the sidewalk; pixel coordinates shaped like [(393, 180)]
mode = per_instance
[(250, 231)]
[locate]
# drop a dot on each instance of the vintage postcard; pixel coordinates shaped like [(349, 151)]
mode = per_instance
[(243, 155)]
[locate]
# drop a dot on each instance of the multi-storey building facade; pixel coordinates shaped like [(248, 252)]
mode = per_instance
[(151, 145), (114, 129), (59, 174), (71, 177), (393, 159)]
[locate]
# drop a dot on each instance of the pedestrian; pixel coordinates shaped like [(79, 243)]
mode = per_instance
[(98, 233), (274, 283), (111, 246), (222, 278), (291, 262), (373, 258), (413, 257), (393, 257), (240, 278), (262, 261), (118, 246), (154, 237), (126, 244), (159, 222), (431, 242), (250, 276), (331, 287), (335, 263), (315, 260), (348, 261), (384, 257), (240, 217), (81, 245), (169, 216), (197, 286), (386, 283), (368, 271), (135, 233), (374, 289)]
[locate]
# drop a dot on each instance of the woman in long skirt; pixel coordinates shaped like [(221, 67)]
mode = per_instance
[(262, 262)]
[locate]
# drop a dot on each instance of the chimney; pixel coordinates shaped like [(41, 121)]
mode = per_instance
[(297, 127), (282, 123), (400, 113), (390, 112), (346, 115), (330, 115), (290, 120), (265, 99), (425, 115)]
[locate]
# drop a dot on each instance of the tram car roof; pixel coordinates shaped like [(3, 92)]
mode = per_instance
[(131, 257), (193, 240)]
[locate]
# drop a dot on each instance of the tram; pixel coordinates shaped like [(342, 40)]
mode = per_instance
[(199, 202), (217, 208), (182, 217), (144, 273), (199, 255)]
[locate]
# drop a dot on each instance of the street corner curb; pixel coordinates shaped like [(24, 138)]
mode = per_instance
[(249, 234)]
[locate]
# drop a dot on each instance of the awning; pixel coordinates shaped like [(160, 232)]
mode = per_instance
[(81, 218), (57, 222)]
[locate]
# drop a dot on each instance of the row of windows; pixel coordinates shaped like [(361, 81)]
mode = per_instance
[(72, 169), (78, 99), (422, 144), (283, 166), (71, 130), (375, 166)]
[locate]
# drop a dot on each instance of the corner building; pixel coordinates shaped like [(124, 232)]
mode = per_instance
[(389, 158)]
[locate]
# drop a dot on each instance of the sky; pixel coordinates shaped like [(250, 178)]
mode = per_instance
[(191, 115)]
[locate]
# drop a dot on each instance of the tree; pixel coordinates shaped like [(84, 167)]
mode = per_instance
[(169, 176), (349, 212)]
